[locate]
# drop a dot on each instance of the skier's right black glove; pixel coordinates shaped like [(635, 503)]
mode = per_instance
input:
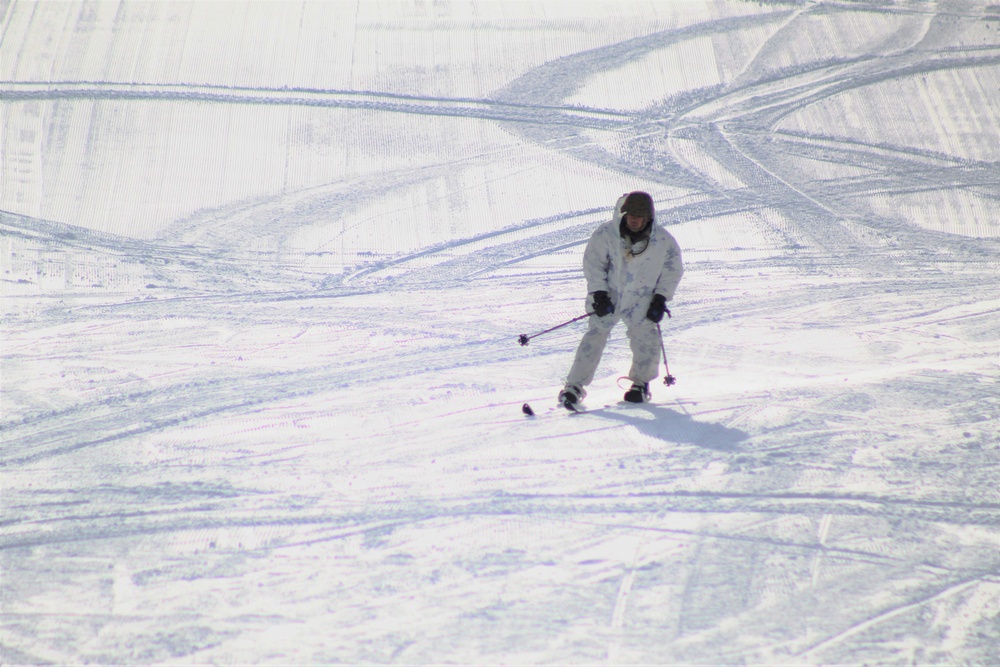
[(602, 304)]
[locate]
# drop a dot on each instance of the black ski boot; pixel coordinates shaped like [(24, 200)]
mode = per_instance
[(570, 396), (639, 393)]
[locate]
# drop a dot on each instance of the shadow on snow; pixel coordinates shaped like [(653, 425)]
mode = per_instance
[(676, 427)]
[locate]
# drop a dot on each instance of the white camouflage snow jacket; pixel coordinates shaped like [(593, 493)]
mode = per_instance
[(631, 275)]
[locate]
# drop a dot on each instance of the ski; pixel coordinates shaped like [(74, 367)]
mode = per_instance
[(571, 409)]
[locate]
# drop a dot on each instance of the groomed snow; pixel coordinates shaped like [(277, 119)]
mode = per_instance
[(264, 269)]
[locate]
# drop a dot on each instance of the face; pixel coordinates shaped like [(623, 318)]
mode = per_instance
[(635, 222)]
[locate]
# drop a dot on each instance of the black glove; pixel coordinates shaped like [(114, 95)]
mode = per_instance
[(657, 308), (602, 304)]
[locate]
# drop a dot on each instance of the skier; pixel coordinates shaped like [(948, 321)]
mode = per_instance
[(632, 267)]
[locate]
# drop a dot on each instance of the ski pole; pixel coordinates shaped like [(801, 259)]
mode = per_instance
[(524, 338), (670, 379)]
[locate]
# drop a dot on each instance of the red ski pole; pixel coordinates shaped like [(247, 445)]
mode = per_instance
[(524, 338), (670, 379)]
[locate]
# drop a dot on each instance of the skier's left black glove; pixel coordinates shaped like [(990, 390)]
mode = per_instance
[(657, 308)]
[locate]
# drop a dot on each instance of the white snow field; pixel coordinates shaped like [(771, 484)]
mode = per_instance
[(265, 266)]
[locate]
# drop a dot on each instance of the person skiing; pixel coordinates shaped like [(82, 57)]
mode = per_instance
[(632, 267)]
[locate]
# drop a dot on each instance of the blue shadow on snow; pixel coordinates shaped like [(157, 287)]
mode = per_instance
[(672, 426)]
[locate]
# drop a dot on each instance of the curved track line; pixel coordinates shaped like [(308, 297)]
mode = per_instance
[(15, 91), (869, 623)]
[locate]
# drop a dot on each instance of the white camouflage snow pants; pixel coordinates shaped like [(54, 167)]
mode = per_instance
[(644, 339)]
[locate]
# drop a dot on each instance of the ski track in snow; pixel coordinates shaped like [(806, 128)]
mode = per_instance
[(257, 436)]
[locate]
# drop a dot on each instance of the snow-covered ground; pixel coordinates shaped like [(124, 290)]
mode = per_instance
[(264, 268)]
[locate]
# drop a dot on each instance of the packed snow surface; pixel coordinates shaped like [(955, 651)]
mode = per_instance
[(265, 266)]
